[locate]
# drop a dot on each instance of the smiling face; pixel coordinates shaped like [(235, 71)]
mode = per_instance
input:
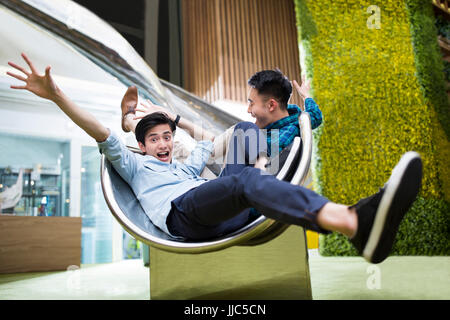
[(259, 108), (268, 96), (158, 143)]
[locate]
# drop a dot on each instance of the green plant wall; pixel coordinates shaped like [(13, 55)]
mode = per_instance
[(377, 75)]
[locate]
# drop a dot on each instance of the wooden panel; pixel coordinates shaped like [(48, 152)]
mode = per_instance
[(39, 243), (226, 41)]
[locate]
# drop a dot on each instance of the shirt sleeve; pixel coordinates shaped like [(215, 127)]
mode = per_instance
[(198, 158), (313, 109), (122, 159)]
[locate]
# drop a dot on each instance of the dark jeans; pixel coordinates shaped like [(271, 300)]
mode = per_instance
[(222, 205)]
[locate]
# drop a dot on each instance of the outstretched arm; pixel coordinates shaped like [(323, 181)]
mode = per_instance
[(195, 131), (44, 87)]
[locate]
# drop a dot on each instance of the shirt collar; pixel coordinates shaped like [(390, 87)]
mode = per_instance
[(292, 118)]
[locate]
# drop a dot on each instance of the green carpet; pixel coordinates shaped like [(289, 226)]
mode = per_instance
[(400, 278), (332, 278)]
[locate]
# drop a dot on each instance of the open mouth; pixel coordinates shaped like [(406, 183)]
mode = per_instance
[(163, 156)]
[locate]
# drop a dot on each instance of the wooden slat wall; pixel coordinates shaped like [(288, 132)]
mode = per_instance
[(39, 243), (226, 41)]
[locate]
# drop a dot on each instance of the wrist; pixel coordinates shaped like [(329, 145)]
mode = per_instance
[(304, 97), (57, 96), (170, 115)]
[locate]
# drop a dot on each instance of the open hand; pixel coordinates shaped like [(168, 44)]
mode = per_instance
[(41, 85), (148, 107), (304, 89)]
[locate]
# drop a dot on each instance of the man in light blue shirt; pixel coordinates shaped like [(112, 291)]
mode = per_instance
[(183, 204), (156, 182)]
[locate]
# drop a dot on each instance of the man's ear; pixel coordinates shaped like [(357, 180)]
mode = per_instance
[(141, 146), (273, 105)]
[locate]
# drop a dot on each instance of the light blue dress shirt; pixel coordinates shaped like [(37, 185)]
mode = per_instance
[(156, 183)]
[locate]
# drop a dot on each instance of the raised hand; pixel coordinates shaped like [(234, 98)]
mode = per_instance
[(44, 87), (303, 90), (41, 85), (148, 107)]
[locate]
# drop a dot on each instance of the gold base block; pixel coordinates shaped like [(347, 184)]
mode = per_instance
[(278, 269)]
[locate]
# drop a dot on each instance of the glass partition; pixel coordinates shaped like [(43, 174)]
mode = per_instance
[(96, 220), (45, 165)]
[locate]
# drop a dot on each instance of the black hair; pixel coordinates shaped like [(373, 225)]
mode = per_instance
[(150, 121), (272, 83)]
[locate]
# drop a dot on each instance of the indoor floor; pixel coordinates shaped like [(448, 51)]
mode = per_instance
[(402, 278)]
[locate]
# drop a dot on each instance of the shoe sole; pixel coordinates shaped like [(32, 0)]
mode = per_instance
[(401, 191)]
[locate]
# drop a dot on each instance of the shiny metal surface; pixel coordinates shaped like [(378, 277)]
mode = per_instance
[(94, 38), (278, 269), (305, 161)]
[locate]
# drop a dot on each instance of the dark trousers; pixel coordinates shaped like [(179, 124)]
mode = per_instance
[(223, 205)]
